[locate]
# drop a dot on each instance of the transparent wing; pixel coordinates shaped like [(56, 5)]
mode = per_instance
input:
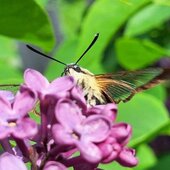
[(123, 85)]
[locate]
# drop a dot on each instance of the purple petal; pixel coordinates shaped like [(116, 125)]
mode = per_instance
[(61, 136), (95, 109), (109, 157), (106, 149), (11, 162), (68, 113), (84, 165), (5, 108), (35, 80), (61, 84), (109, 110), (25, 128), (52, 165), (4, 131), (127, 157), (89, 151), (122, 132), (24, 102), (96, 128), (78, 97), (69, 153), (7, 94)]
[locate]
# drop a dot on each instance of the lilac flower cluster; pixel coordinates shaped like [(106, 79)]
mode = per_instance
[(70, 134)]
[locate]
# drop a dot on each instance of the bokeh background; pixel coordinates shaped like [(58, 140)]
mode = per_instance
[(134, 34)]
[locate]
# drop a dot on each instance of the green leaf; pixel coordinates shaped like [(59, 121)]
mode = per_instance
[(105, 17), (26, 21), (43, 3), (162, 2), (146, 157), (9, 62), (144, 20), (9, 74), (70, 15), (66, 54), (163, 163), (7, 48), (113, 165), (166, 129), (136, 53), (146, 114), (158, 91)]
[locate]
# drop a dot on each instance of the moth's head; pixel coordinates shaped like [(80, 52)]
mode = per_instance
[(74, 70)]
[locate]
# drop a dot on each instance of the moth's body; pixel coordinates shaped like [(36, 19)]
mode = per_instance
[(87, 82)]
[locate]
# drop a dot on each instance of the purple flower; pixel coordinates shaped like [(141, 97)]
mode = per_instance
[(37, 82), (13, 118), (11, 162), (113, 148), (110, 150), (127, 157), (83, 165), (83, 132), (67, 125), (121, 132), (109, 110), (7, 94), (53, 165)]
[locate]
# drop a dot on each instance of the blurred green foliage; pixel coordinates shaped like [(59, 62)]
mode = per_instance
[(134, 34)]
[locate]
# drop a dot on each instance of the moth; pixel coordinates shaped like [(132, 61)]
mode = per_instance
[(108, 88)]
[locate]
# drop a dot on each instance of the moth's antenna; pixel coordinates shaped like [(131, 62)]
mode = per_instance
[(38, 52), (92, 43)]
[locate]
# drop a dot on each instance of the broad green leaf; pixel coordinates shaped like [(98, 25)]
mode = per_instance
[(163, 163), (136, 53), (113, 166), (9, 62), (159, 92), (104, 17), (7, 48), (162, 2), (9, 74), (166, 129), (109, 60), (146, 114), (66, 54), (70, 16), (146, 157), (43, 3), (26, 21), (144, 20)]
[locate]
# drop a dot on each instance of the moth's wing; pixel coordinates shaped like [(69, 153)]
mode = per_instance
[(115, 90), (10, 87), (123, 85)]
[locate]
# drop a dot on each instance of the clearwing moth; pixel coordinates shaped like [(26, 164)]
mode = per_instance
[(107, 88)]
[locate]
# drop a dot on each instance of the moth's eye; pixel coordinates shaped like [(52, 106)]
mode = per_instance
[(77, 69)]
